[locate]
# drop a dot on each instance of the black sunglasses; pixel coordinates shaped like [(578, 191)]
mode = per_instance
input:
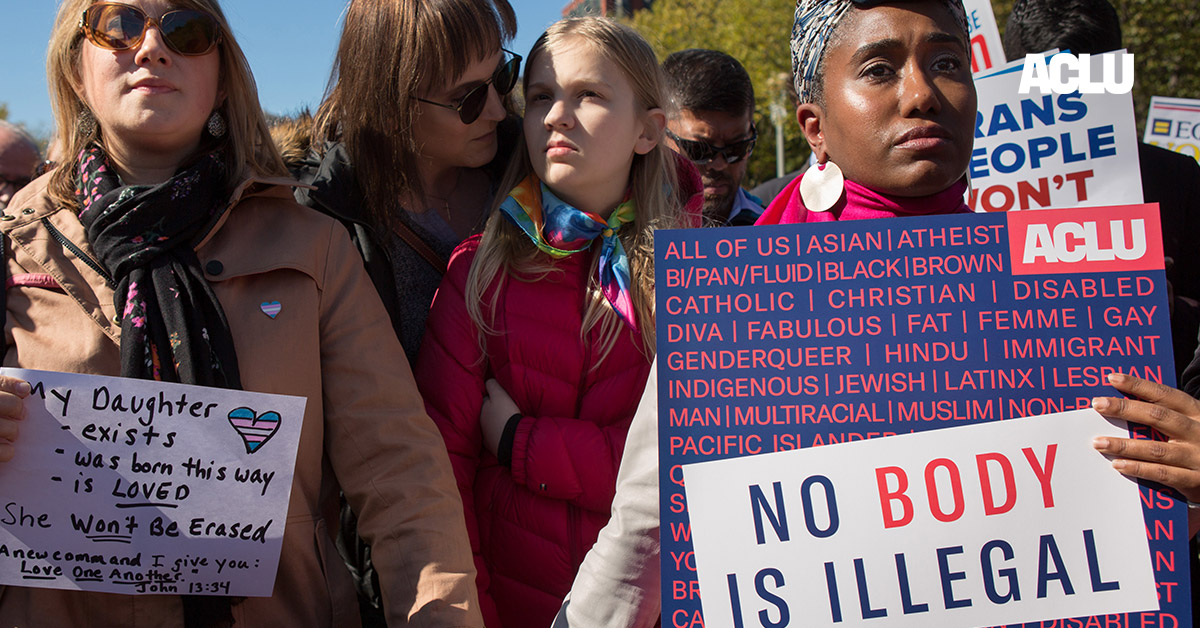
[(115, 26), (703, 152), (471, 105)]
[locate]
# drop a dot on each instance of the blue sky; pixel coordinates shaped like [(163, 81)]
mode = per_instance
[(290, 44)]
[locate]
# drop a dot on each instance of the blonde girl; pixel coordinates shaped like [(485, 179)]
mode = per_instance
[(542, 333)]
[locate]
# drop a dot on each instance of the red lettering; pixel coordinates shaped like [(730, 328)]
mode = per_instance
[(886, 497), (985, 480)]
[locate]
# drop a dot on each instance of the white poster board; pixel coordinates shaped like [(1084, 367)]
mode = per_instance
[(1044, 150), (987, 49), (982, 525), (134, 486), (1174, 124)]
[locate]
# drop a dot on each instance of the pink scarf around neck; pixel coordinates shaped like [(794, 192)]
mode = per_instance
[(861, 202)]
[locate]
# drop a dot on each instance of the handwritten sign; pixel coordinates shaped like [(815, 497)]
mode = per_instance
[(1174, 124), (1046, 150), (972, 526), (987, 49), (779, 338), (133, 486)]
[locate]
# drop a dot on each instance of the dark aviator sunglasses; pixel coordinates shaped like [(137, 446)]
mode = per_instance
[(471, 105), (703, 152), (116, 26)]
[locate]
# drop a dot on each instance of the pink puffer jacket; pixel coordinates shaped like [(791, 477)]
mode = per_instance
[(530, 525)]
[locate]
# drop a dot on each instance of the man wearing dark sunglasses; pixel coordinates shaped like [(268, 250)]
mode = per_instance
[(712, 124), (18, 159)]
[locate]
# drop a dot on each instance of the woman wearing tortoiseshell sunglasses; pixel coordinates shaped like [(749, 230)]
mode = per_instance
[(162, 134)]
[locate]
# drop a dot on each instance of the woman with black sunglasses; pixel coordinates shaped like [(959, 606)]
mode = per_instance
[(407, 149), (411, 139), (167, 245)]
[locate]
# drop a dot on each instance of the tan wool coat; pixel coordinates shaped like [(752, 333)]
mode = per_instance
[(365, 427)]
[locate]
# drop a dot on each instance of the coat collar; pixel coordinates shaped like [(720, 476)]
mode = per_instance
[(260, 220)]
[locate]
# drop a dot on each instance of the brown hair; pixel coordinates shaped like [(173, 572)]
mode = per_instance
[(246, 147), (389, 51), (505, 249)]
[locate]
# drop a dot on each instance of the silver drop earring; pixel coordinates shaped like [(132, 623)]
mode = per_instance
[(216, 124)]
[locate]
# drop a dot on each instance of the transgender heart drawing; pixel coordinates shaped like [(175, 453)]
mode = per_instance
[(255, 430)]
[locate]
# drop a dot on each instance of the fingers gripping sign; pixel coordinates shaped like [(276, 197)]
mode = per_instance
[(1174, 462), (13, 391)]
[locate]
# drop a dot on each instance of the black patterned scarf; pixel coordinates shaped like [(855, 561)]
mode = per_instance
[(172, 327)]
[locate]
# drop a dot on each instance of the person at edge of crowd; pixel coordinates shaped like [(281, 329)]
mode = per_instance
[(161, 132), (407, 151), (19, 159), (1168, 178), (711, 122), (542, 334)]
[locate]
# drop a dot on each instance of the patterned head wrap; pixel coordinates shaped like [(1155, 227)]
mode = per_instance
[(815, 22)]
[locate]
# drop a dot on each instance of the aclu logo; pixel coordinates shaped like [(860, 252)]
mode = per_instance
[(1085, 239), (1066, 73), (1077, 242)]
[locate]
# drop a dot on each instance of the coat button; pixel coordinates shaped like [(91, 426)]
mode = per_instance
[(6, 217), (214, 267), (116, 319), (27, 211)]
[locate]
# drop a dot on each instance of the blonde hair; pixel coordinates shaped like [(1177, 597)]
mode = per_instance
[(246, 146), (506, 250), (388, 52)]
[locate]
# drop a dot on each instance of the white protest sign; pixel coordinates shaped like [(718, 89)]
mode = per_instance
[(1052, 150), (1174, 124), (982, 525), (134, 486), (987, 50)]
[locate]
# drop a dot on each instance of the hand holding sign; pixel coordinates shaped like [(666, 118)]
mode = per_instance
[(12, 412), (1175, 414)]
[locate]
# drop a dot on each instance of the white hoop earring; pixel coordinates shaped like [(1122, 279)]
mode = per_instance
[(822, 187)]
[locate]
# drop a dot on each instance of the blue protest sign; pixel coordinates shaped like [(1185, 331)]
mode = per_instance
[(777, 338)]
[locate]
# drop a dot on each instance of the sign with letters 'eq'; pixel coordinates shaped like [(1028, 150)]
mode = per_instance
[(778, 339), (143, 487), (1174, 124)]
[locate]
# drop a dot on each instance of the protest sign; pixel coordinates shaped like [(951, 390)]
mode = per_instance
[(987, 49), (1174, 124), (979, 525), (776, 338), (1043, 150), (135, 486)]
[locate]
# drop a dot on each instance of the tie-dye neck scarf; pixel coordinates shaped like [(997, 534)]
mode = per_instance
[(559, 230)]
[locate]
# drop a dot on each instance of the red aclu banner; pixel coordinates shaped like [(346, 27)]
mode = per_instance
[(1086, 240)]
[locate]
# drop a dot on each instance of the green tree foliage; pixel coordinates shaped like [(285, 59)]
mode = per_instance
[(3, 111), (756, 32), (1164, 36)]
